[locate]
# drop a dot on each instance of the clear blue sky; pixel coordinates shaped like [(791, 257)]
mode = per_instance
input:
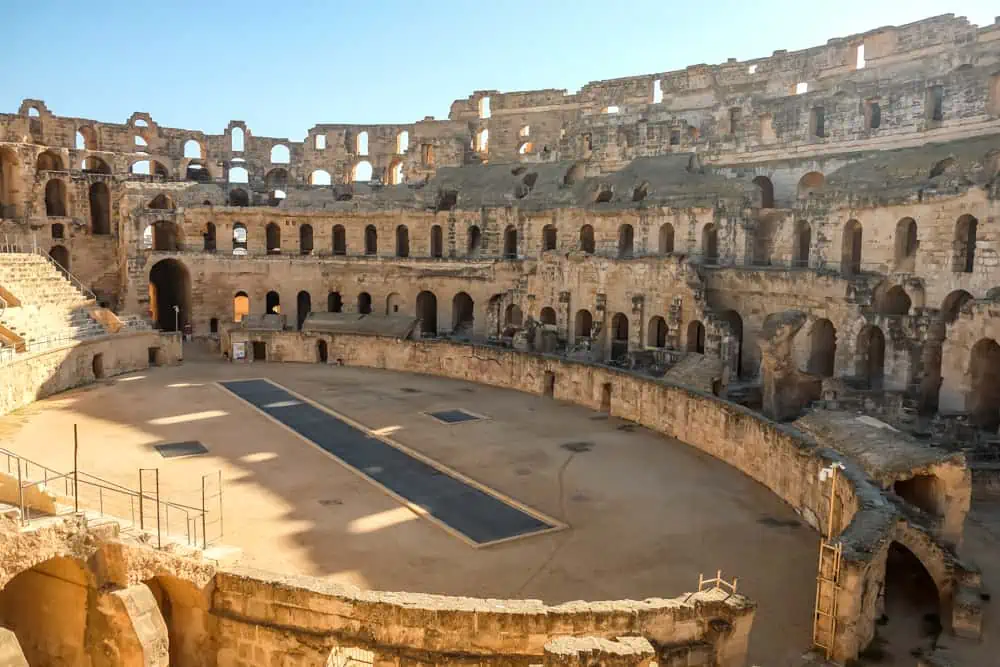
[(285, 65)]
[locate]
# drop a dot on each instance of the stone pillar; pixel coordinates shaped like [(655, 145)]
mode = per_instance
[(564, 317), (125, 628), (674, 322), (599, 338), (637, 325)]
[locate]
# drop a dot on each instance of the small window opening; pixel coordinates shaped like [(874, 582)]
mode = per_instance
[(362, 143), (484, 107), (427, 155), (237, 140), (657, 92), (818, 122), (752, 69), (525, 131), (859, 62), (734, 120), (280, 154), (675, 137), (873, 115), (801, 87), (320, 142), (402, 142), (483, 141), (611, 109), (139, 141), (192, 149), (935, 99)]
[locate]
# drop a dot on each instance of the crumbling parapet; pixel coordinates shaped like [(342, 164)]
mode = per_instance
[(586, 651)]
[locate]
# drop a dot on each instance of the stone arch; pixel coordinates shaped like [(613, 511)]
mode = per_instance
[(666, 239), (365, 303), (272, 238), (334, 303), (850, 248), (241, 306), (802, 243), (893, 301), (169, 286), (86, 138), (402, 241), (100, 209), (911, 596), (280, 154), (710, 243), (167, 236), (94, 165), (339, 240), (626, 240), (238, 197), (619, 335), (513, 317), (239, 239), (28, 602), (305, 239), (953, 304), (766, 188), (657, 334), (547, 316), (60, 255), (583, 324), (55, 198), (906, 244), (303, 306), (822, 348), (48, 161), (161, 202), (984, 380), (427, 312), (810, 184), (696, 337), (184, 608), (272, 303), (463, 313), (510, 242), (964, 246), (869, 357), (587, 244), (474, 241), (371, 240), (392, 303)]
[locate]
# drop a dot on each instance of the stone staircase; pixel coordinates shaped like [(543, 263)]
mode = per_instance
[(51, 309)]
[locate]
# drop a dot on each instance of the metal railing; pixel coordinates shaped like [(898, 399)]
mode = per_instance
[(18, 245), (88, 492)]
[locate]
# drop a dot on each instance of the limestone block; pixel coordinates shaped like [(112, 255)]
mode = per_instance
[(10, 650)]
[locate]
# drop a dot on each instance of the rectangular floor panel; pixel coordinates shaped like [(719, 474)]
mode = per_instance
[(481, 516)]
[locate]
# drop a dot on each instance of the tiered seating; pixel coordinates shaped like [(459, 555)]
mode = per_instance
[(52, 309)]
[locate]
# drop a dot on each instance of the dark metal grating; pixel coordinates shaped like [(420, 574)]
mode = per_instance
[(171, 450), (454, 416)]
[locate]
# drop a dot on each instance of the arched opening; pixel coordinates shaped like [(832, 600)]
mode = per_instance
[(208, 237), (166, 236), (320, 177), (147, 237), (170, 295), (48, 161), (964, 249), (402, 241), (303, 306), (427, 312), (803, 239), (272, 303), (483, 141), (463, 313), (549, 385), (850, 253), (95, 165), (510, 242), (161, 202), (371, 240), (822, 348), (912, 605), (710, 244), (273, 238), (86, 138), (513, 319), (192, 149), (735, 322), (696, 337), (334, 303), (923, 491), (195, 171), (241, 306), (437, 242), (766, 191), (392, 303), (305, 240), (396, 172), (322, 353), (619, 336), (583, 325), (906, 244), (184, 608), (984, 372), (339, 240), (239, 175), (280, 154), (666, 239), (236, 139), (402, 142), (895, 301), (626, 241), (100, 209), (60, 255), (587, 239), (548, 238), (606, 398), (238, 197), (548, 316), (763, 241), (952, 305), (55, 198), (870, 357), (361, 143), (46, 607), (810, 184), (239, 239), (365, 303), (363, 172), (657, 334), (475, 241)]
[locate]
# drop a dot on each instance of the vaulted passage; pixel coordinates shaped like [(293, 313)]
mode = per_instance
[(984, 369), (870, 357), (822, 348), (170, 295), (463, 314), (912, 606), (427, 312), (303, 306)]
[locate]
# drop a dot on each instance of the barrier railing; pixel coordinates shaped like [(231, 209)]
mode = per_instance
[(20, 245), (143, 509)]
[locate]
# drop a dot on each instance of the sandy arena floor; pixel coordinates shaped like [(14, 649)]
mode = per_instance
[(646, 514)]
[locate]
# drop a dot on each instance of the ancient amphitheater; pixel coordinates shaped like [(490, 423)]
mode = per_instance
[(693, 368)]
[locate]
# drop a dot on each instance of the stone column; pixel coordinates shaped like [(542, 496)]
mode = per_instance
[(637, 325), (564, 317)]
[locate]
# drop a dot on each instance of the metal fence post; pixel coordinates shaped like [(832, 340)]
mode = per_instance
[(159, 537), (20, 495), (142, 521), (76, 469), (204, 534)]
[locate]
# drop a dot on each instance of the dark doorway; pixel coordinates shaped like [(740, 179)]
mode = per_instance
[(822, 348), (427, 312), (303, 306), (334, 304), (606, 398), (696, 337), (850, 256), (100, 209), (259, 350), (984, 369), (462, 313), (549, 386), (60, 255), (766, 191), (170, 286), (305, 240), (321, 351), (97, 365), (365, 303), (272, 303), (870, 355), (437, 245)]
